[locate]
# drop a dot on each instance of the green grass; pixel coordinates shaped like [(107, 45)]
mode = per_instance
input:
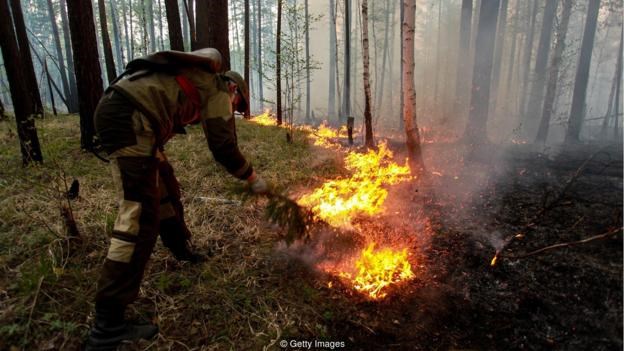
[(246, 296)]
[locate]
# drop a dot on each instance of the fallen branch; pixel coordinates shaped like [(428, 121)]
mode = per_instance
[(609, 233)]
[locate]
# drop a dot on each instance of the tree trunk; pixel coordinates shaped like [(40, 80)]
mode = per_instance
[(108, 50), (59, 52), (512, 55), (190, 16), (461, 86), (614, 95), (380, 79), (402, 67), (247, 52), (130, 10), (278, 64), (87, 66), (582, 74), (125, 25), (212, 28), (150, 24), (185, 27), (346, 96), (22, 103), (50, 92), (146, 38), (536, 94), (498, 50), (476, 130), (526, 61), (117, 36), (71, 74), (366, 75), (412, 136), (307, 60), (331, 98), (173, 24), (555, 63), (259, 56), (160, 27), (24, 49)]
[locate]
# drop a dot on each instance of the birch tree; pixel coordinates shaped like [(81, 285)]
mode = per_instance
[(366, 77)]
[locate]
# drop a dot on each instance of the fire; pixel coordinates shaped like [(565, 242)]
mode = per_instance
[(338, 201), (377, 269), (265, 119)]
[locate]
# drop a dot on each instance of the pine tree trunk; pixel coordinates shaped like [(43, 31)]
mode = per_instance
[(380, 78), (331, 98), (555, 63), (22, 103), (185, 27), (71, 74), (24, 48), (160, 27), (512, 55), (259, 56), (366, 75), (613, 98), (403, 65), (190, 14), (87, 66), (536, 94), (582, 74), (125, 25), (307, 59), (498, 50), (412, 137), (117, 36), (526, 61), (212, 28), (461, 85), (346, 96), (108, 50), (146, 37), (59, 52), (476, 131), (173, 24), (247, 52), (150, 24), (50, 92), (278, 64)]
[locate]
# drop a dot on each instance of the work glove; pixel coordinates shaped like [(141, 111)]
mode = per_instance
[(257, 184)]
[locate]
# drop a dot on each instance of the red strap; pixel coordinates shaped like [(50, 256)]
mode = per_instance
[(192, 94)]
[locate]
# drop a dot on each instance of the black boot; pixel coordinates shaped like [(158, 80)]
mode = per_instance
[(110, 330), (175, 237)]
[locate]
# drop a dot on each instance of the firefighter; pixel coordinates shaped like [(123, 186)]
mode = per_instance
[(135, 118)]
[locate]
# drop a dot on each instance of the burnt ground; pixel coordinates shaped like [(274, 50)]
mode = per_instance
[(568, 298)]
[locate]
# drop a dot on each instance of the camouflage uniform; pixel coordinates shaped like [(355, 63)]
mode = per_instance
[(134, 120)]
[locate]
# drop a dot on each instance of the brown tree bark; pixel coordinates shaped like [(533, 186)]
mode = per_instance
[(87, 66), (71, 75), (461, 85), (278, 64), (59, 52), (106, 43), (23, 105), (173, 24), (247, 53), (24, 49), (368, 118), (212, 28)]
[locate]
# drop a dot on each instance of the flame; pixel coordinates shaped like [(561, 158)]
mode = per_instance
[(265, 119), (338, 201), (377, 269)]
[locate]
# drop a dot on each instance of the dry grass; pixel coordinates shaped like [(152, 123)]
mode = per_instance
[(247, 296)]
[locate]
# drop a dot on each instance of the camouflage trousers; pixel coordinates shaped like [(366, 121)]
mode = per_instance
[(149, 204)]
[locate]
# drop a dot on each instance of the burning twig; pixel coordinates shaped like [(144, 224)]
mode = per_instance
[(609, 233)]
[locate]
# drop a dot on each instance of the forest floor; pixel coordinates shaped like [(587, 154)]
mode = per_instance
[(253, 293)]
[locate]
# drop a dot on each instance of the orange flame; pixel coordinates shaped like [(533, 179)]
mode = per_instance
[(338, 201), (376, 270), (265, 119)]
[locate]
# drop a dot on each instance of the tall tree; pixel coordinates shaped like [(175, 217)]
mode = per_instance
[(555, 63), (331, 99), (461, 85), (307, 60), (482, 72), (498, 50), (366, 75), (278, 64), (190, 17), (259, 55), (24, 49), (23, 105), (402, 65), (117, 36), (614, 97), (150, 24), (346, 96), (108, 50), (59, 52), (528, 52), (512, 54), (173, 24), (412, 137), (536, 94), (71, 75), (582, 74), (212, 28), (87, 66), (247, 53)]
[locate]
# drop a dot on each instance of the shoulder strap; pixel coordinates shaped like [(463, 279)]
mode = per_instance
[(191, 93)]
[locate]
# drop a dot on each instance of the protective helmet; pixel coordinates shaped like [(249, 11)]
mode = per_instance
[(243, 90)]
